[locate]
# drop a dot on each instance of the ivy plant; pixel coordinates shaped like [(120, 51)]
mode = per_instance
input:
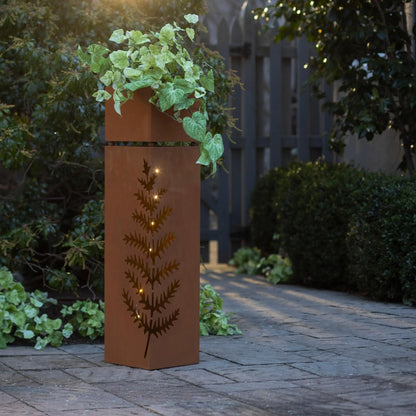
[(20, 315), (86, 317), (212, 319), (276, 268), (160, 61)]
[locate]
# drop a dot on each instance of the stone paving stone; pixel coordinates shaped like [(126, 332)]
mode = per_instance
[(147, 392), (247, 353), (249, 386), (82, 348), (384, 399), (208, 406), (199, 377), (70, 397), (191, 400), (9, 377), (208, 361), (291, 401), (14, 351), (276, 372), (19, 409), (116, 373), (347, 342), (377, 351), (341, 385), (5, 398), (50, 377), (342, 367), (284, 343), (123, 411), (406, 365), (44, 362), (95, 359)]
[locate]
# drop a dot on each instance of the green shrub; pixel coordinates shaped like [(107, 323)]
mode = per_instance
[(309, 207), (341, 227), (263, 211), (382, 239)]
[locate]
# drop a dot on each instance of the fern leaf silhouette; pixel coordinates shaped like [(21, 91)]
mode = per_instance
[(150, 289)]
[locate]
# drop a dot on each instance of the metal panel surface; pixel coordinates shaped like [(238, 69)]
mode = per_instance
[(152, 256), (141, 121)]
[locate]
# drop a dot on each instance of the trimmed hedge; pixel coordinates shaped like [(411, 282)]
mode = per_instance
[(382, 239), (342, 228)]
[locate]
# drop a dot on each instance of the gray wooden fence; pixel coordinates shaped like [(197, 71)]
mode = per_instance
[(278, 120)]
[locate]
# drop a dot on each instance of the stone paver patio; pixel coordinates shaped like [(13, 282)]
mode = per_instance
[(302, 352)]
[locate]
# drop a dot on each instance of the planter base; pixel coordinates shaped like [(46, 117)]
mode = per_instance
[(152, 256)]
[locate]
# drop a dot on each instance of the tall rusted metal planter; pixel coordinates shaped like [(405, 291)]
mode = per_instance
[(152, 196)]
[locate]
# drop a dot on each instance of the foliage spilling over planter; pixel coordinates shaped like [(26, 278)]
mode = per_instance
[(341, 227), (160, 61)]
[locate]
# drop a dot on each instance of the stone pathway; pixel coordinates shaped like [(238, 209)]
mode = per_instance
[(303, 352)]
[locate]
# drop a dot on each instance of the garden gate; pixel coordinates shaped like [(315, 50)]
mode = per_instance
[(278, 120)]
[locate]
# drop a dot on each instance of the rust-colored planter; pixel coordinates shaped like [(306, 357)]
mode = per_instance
[(141, 122), (151, 244)]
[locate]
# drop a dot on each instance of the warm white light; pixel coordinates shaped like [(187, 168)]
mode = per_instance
[(157, 170)]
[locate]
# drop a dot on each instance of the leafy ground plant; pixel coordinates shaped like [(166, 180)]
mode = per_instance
[(20, 315), (212, 319), (86, 317), (275, 268), (160, 61)]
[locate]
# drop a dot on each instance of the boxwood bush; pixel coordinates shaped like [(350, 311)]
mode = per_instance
[(309, 206), (341, 227), (381, 240)]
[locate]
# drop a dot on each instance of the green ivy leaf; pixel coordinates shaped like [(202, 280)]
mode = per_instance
[(132, 73), (85, 58), (30, 311), (167, 35), (18, 318), (17, 295), (97, 57), (68, 330), (192, 18), (118, 36), (137, 38), (208, 81), (184, 85), (107, 78), (196, 126), (119, 59), (101, 95), (142, 83), (27, 334), (204, 159), (169, 96), (190, 32)]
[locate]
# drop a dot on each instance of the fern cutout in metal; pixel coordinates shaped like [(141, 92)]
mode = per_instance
[(151, 289)]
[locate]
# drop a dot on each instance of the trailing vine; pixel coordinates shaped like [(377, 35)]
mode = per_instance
[(160, 61)]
